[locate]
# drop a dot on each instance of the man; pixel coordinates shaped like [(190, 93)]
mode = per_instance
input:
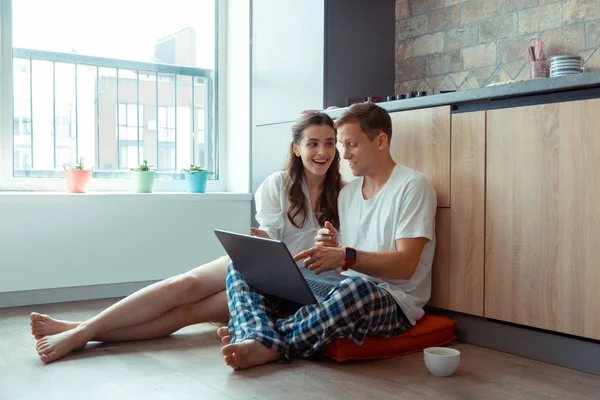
[(387, 227)]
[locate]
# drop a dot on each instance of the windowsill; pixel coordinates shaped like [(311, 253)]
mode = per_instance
[(180, 196)]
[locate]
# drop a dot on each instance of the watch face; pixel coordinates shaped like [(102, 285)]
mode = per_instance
[(350, 254)]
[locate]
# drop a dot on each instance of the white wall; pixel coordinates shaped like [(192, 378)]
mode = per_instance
[(287, 58), (270, 147), (64, 240), (287, 76)]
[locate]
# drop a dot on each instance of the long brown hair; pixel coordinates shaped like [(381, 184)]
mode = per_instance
[(328, 207)]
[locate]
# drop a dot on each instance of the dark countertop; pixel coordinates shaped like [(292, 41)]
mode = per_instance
[(530, 87)]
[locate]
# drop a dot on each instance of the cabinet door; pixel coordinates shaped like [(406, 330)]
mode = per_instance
[(441, 270), (543, 217), (458, 268), (352, 27), (421, 140)]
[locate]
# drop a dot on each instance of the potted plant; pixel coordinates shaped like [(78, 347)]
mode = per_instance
[(78, 177), (196, 177), (143, 178)]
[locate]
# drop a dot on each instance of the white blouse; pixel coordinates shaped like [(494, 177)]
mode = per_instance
[(271, 213)]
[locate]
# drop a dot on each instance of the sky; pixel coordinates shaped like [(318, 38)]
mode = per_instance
[(124, 29)]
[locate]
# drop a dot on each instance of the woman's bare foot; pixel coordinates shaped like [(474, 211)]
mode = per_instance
[(248, 353), (43, 325), (223, 333), (52, 347)]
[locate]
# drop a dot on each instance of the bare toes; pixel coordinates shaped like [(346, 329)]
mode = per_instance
[(223, 331), (45, 349), (226, 339), (37, 316), (229, 361), (46, 358)]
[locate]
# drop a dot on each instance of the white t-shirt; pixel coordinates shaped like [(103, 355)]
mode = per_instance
[(271, 213), (405, 207)]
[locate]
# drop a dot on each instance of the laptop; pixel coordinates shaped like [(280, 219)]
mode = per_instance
[(268, 266)]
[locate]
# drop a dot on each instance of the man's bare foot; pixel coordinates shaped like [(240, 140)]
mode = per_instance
[(248, 353), (42, 325), (52, 347), (223, 333)]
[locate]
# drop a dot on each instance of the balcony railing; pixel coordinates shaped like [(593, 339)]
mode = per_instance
[(113, 112)]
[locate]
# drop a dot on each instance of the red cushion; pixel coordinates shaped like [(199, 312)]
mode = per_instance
[(430, 331)]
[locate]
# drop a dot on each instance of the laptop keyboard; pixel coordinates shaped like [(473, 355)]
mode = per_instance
[(319, 288)]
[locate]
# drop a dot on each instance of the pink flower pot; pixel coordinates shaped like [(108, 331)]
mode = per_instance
[(78, 181)]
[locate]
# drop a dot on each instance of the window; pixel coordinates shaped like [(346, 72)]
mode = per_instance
[(22, 159), (166, 124), (130, 135), (21, 119), (65, 156), (166, 154), (131, 124), (65, 128), (166, 138), (129, 157), (113, 96), (22, 125)]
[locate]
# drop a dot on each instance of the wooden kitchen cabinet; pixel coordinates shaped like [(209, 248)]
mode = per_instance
[(542, 256), (458, 271), (441, 269), (421, 140)]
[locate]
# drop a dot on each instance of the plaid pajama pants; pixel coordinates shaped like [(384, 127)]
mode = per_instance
[(355, 308)]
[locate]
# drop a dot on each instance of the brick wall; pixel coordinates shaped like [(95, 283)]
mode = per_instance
[(465, 44)]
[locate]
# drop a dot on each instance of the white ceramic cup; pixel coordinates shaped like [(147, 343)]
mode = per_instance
[(441, 361)]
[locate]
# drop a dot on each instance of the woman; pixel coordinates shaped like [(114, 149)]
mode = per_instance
[(291, 206)]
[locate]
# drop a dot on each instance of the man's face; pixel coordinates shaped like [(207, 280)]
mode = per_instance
[(360, 152)]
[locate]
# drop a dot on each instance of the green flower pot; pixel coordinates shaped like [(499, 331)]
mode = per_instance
[(143, 181)]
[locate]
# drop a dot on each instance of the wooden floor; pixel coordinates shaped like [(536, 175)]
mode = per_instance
[(189, 365)]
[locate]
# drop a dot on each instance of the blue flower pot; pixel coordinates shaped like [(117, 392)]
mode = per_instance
[(196, 182)]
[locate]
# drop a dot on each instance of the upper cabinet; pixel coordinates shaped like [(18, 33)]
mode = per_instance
[(543, 218), (421, 140), (358, 61)]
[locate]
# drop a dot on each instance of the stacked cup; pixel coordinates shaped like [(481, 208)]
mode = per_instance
[(565, 65)]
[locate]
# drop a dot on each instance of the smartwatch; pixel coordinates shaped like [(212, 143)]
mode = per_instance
[(349, 257)]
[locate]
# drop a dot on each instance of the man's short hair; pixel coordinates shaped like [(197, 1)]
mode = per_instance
[(372, 119)]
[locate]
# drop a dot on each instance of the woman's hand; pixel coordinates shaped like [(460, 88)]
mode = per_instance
[(327, 237), (260, 233)]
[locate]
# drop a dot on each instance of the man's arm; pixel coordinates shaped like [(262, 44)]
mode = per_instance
[(399, 264), (415, 226)]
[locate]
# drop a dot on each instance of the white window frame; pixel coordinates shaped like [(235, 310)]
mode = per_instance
[(10, 183)]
